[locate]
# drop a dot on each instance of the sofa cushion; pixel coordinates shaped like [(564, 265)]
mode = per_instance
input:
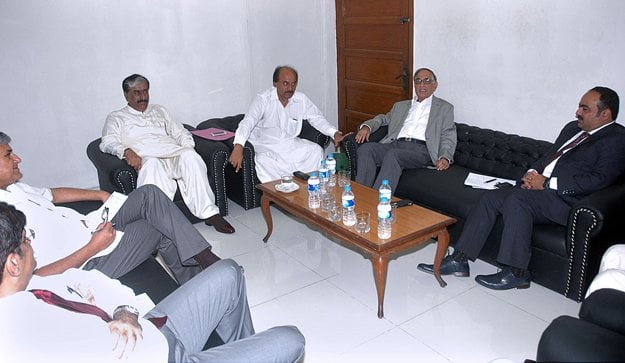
[(439, 190), (496, 153)]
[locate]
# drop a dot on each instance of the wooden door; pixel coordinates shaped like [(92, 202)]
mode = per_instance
[(374, 48)]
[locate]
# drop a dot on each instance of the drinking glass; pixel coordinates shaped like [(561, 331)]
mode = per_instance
[(344, 178), (363, 224)]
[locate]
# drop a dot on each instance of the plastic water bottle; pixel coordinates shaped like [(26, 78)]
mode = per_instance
[(331, 164), (384, 211), (385, 193), (314, 195), (349, 203), (323, 177)]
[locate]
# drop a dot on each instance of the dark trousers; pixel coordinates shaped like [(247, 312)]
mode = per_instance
[(520, 209)]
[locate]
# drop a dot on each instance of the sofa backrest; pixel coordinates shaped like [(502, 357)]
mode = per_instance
[(496, 153), (231, 123)]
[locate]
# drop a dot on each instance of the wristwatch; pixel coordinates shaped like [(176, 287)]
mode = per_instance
[(546, 183), (127, 308)]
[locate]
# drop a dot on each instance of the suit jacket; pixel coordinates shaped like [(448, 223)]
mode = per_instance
[(596, 163), (440, 132)]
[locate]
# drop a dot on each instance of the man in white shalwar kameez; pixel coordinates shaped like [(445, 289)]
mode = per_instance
[(161, 150), (272, 125)]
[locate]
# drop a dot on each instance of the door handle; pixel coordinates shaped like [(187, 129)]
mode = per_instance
[(404, 20), (405, 83)]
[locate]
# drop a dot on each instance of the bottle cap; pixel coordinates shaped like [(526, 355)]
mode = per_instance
[(385, 181), (313, 174), (348, 187)]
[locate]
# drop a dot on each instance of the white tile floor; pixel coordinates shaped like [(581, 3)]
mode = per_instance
[(302, 278)]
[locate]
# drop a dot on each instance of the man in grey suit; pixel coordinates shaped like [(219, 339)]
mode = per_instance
[(421, 133)]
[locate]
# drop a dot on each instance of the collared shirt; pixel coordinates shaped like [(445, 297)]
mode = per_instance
[(268, 123), (417, 120), (553, 182), (150, 134), (34, 331), (58, 231)]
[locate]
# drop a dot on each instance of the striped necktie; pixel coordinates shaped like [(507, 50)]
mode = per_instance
[(563, 149)]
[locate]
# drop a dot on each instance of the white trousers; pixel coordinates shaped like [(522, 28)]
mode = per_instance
[(611, 272), (187, 171), (302, 155)]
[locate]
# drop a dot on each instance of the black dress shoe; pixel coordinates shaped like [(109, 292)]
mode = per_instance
[(220, 224), (449, 266), (504, 280)]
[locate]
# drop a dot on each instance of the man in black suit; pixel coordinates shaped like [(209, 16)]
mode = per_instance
[(588, 155)]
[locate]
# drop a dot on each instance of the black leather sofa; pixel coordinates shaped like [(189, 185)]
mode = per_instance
[(564, 258), (241, 186), (116, 175), (597, 336)]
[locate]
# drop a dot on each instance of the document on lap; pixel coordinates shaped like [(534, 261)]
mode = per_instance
[(94, 218), (485, 181)]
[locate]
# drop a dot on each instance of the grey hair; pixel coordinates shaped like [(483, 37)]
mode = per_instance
[(4, 138), (133, 80)]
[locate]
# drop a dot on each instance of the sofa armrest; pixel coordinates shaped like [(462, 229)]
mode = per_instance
[(604, 307), (595, 223), (215, 155), (114, 174), (350, 147), (240, 185), (310, 133)]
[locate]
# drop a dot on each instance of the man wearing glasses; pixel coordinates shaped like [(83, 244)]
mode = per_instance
[(421, 133)]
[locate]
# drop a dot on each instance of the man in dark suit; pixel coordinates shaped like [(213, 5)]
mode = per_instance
[(588, 155), (421, 133)]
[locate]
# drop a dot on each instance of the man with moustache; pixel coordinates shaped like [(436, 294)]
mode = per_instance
[(588, 155), (161, 150), (272, 124), (421, 133)]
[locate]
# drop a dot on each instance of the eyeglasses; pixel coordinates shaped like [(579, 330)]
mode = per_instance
[(424, 80), (29, 234)]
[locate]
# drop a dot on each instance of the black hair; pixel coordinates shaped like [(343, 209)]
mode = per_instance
[(608, 99), (12, 222), (276, 73)]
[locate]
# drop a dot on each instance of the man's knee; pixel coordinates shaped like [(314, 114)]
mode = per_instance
[(226, 269), (149, 190), (150, 163), (287, 336)]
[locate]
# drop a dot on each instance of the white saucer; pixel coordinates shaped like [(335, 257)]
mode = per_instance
[(282, 188)]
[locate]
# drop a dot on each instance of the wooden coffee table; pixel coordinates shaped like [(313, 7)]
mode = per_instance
[(414, 225)]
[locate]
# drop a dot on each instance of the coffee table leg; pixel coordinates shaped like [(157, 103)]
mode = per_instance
[(264, 205), (380, 269), (441, 250)]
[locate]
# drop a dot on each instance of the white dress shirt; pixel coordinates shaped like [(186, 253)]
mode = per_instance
[(34, 331), (417, 120)]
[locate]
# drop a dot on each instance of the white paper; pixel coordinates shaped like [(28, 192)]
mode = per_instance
[(485, 181), (94, 218)]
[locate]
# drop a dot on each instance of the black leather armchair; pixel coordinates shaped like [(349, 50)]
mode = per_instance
[(116, 175), (241, 186), (597, 336), (564, 258)]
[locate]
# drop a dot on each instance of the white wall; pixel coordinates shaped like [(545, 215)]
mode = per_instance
[(520, 66), (63, 62)]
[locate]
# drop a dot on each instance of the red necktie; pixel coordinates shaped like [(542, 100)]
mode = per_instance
[(566, 147), (83, 308)]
